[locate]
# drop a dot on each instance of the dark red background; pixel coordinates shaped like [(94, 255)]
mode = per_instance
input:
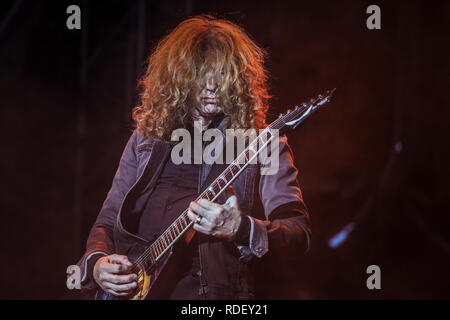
[(66, 98)]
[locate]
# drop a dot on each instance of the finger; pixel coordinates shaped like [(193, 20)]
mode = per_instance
[(229, 191), (118, 294), (207, 204), (231, 202), (112, 268), (192, 215), (209, 230), (120, 287), (205, 223), (119, 259), (119, 279), (199, 210), (202, 228)]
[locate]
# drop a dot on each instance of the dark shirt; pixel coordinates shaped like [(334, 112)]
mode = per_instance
[(176, 187)]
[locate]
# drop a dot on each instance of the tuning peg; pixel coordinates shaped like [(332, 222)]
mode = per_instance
[(320, 96), (296, 107), (330, 92), (288, 111), (280, 116)]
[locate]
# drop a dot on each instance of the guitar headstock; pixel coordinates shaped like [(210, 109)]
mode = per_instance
[(292, 118)]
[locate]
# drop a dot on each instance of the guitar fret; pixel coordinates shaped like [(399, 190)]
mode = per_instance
[(163, 243), (252, 149), (172, 232), (158, 247), (175, 231), (182, 223), (156, 250), (153, 254), (176, 225), (167, 237), (261, 140)]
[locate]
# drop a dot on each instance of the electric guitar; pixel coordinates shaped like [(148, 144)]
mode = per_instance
[(149, 262)]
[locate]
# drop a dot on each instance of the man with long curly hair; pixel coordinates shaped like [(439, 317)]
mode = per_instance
[(210, 71)]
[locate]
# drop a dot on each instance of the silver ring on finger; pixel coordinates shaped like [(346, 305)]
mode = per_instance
[(198, 220)]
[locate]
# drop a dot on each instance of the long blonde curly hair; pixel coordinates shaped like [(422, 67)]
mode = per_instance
[(198, 45)]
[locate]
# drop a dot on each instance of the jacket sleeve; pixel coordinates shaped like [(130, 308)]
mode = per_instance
[(287, 224), (100, 240)]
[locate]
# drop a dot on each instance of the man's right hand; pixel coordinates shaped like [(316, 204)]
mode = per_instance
[(112, 274)]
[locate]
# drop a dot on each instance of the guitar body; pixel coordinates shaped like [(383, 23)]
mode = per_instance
[(147, 273)]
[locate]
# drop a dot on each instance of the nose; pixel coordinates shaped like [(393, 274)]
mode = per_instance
[(211, 84)]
